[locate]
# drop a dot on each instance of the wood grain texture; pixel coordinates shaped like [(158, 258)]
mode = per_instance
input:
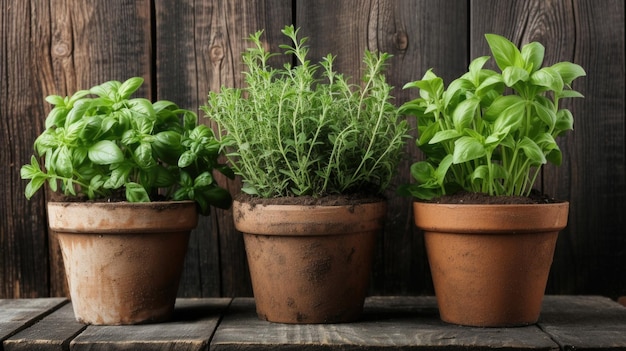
[(23, 247), (17, 314), (53, 333), (592, 176), (584, 322), (389, 323), (191, 328)]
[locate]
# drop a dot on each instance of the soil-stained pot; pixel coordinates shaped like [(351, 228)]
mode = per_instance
[(490, 263), (309, 264), (123, 261)]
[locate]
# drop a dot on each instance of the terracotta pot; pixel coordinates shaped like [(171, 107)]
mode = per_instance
[(490, 263), (309, 264), (123, 261)]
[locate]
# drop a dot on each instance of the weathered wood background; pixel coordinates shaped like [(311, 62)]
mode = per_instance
[(185, 48)]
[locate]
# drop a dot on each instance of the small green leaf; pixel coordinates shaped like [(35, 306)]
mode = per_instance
[(143, 156), (532, 151), (422, 171), (143, 107), (568, 71), (62, 162), (105, 152), (532, 54), (564, 121), (512, 75), (33, 186), (108, 90), (119, 176), (442, 170), (511, 118), (28, 171), (546, 115), (55, 100), (186, 159), (77, 112), (129, 87), (464, 113), (548, 78), (445, 135), (204, 179), (504, 51), (467, 149), (56, 117), (501, 104), (475, 69), (136, 193)]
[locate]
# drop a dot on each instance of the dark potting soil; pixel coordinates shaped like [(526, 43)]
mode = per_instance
[(464, 197), (330, 200)]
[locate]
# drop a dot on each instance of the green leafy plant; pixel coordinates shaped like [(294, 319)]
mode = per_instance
[(490, 132), (101, 144), (304, 130)]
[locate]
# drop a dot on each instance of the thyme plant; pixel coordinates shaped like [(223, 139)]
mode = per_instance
[(490, 132), (102, 144), (303, 129)]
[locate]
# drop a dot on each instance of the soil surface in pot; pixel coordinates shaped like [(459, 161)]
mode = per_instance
[(464, 197), (330, 200)]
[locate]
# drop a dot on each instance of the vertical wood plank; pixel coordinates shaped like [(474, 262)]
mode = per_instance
[(199, 47), (420, 35), (23, 247), (592, 176)]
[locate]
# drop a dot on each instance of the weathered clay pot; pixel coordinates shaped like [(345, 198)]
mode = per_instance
[(309, 264), (490, 263), (123, 261)]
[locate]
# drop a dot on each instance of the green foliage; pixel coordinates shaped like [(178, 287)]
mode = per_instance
[(304, 130), (491, 132), (101, 144)]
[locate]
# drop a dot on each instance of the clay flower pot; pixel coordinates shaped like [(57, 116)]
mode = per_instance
[(123, 261), (309, 264), (490, 263)]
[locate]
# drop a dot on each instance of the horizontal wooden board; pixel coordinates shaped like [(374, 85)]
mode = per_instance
[(18, 314), (585, 322), (54, 332), (387, 323), (191, 328)]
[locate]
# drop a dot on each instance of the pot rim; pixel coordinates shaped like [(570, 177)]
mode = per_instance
[(493, 218), (309, 219), (122, 217)]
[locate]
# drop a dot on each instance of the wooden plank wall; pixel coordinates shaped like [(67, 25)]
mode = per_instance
[(185, 48)]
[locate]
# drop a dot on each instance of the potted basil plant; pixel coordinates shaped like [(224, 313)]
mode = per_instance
[(315, 154), (132, 177), (485, 138)]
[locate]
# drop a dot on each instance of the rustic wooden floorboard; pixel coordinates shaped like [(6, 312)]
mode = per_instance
[(584, 322), (53, 333), (191, 328), (389, 323), (16, 315)]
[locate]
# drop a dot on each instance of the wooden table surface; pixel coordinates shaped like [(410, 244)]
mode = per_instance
[(388, 323)]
